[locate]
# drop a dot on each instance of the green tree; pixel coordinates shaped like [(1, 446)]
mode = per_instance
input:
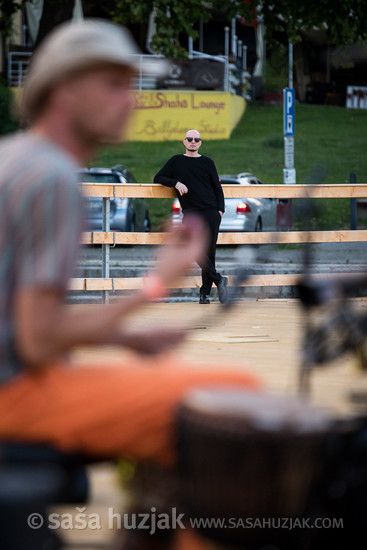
[(172, 18), (8, 8), (344, 21)]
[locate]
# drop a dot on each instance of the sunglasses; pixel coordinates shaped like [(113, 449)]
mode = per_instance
[(190, 139)]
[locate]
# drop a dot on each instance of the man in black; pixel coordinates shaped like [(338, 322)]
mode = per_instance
[(196, 180)]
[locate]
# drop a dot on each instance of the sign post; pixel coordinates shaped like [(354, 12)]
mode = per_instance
[(284, 207), (289, 172)]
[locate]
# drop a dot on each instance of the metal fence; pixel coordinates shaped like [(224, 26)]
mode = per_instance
[(17, 67), (18, 64), (145, 80)]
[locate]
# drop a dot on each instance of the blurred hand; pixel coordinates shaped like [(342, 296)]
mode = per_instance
[(185, 244), (155, 341), (181, 188), (221, 213)]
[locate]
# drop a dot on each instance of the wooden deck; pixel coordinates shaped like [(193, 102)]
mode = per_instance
[(260, 336)]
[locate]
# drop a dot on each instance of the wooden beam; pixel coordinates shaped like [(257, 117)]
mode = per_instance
[(77, 284), (239, 238), (286, 237), (134, 190), (132, 283), (145, 190), (101, 237)]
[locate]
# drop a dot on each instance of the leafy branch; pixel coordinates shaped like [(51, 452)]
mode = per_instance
[(8, 9)]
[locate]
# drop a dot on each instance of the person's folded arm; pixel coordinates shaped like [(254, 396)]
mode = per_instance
[(165, 175)]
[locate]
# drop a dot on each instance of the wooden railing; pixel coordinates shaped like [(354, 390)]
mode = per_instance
[(107, 238), (154, 191)]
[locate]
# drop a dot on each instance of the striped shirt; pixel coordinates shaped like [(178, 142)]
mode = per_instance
[(41, 217)]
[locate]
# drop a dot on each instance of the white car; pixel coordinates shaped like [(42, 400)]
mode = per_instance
[(241, 214)]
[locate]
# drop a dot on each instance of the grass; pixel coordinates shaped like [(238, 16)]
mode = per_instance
[(328, 136)]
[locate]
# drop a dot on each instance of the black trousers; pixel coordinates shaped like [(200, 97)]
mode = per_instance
[(209, 274)]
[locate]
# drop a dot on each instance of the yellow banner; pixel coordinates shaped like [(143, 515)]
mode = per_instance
[(167, 115), (162, 115)]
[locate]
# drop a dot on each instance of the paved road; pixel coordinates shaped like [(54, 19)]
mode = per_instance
[(322, 253), (343, 255)]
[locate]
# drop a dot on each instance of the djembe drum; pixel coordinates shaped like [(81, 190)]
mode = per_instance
[(254, 462)]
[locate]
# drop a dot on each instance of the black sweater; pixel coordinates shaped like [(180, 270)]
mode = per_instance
[(200, 177)]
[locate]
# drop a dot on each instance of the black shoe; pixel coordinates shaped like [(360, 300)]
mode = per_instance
[(204, 299), (222, 290)]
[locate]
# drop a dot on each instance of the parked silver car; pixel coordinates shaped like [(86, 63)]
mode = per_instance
[(127, 214), (241, 214)]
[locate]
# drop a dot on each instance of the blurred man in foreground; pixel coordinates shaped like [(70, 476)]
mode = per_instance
[(77, 94)]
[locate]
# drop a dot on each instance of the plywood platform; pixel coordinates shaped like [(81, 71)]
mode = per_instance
[(261, 336)]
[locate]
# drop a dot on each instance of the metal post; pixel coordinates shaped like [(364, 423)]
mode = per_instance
[(20, 73), (289, 172), (140, 76), (106, 208), (239, 67), (244, 58), (226, 54), (353, 204), (234, 37), (190, 46), (201, 35), (239, 49), (10, 63), (290, 73)]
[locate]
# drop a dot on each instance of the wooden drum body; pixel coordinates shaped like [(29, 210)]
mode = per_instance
[(254, 462)]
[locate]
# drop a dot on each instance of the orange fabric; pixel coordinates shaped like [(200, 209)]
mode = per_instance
[(189, 539), (107, 411)]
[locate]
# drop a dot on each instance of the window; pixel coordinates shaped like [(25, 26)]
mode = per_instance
[(95, 177)]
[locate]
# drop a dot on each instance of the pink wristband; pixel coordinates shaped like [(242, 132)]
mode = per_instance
[(153, 287)]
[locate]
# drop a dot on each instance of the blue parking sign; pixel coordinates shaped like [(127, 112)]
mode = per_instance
[(288, 111)]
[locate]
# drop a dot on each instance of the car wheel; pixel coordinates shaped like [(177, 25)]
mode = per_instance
[(258, 225)]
